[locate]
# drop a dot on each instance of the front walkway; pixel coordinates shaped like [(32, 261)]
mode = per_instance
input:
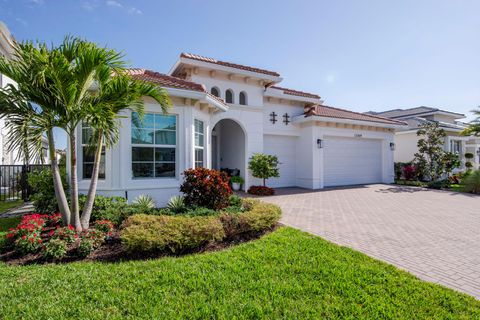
[(432, 234)]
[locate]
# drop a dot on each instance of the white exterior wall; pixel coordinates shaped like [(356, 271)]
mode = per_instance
[(405, 146)]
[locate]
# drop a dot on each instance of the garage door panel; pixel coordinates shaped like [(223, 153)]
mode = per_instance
[(284, 147), (349, 161)]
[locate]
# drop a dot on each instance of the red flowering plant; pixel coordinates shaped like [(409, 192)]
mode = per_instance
[(29, 243), (206, 188), (90, 240), (54, 219), (261, 191), (32, 223), (68, 234), (105, 226), (409, 172)]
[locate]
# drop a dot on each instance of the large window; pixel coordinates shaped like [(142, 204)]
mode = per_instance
[(199, 143), (88, 155), (154, 142), (455, 146)]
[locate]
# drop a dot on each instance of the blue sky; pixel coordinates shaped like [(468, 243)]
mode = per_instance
[(359, 55)]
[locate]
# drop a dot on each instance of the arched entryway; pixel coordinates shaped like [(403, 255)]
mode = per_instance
[(228, 147)]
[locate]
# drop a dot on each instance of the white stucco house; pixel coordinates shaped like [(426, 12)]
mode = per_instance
[(222, 114), (406, 138)]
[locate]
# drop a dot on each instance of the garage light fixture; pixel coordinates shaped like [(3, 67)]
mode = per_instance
[(319, 143), (392, 146)]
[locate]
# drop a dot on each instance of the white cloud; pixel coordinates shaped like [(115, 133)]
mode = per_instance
[(134, 10), (113, 3), (22, 22), (89, 6), (38, 2)]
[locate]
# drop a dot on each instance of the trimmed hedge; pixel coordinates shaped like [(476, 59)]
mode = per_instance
[(176, 233)]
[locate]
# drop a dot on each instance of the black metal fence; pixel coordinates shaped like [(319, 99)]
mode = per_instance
[(14, 181)]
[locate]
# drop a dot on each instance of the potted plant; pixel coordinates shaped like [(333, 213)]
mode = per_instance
[(237, 182)]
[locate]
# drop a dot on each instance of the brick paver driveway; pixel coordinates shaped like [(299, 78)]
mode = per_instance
[(433, 234)]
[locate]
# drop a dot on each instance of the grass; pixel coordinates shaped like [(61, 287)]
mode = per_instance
[(6, 205), (286, 274), (6, 223)]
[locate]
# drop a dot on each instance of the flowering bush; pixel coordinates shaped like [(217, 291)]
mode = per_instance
[(54, 219), (105, 226), (54, 249), (409, 172), (206, 188), (30, 243), (67, 234), (32, 223), (261, 191), (89, 241)]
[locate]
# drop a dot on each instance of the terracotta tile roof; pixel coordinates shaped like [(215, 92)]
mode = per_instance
[(331, 112), (164, 80), (418, 111), (228, 64), (297, 93)]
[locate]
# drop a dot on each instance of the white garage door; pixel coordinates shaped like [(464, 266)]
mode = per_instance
[(284, 148), (349, 161)]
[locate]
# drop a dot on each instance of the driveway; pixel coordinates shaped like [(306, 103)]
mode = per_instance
[(432, 234)]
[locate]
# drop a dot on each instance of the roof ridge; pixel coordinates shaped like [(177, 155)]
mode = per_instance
[(384, 119), (228, 64), (313, 95)]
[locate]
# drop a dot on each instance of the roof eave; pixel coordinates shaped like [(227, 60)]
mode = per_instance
[(208, 65), (303, 119), (197, 95), (276, 93)]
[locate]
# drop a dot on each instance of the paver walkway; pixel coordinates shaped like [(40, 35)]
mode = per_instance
[(432, 234)]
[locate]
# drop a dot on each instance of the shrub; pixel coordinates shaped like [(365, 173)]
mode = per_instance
[(468, 165), (472, 182), (29, 243), (118, 212), (4, 242), (261, 191), (104, 207), (237, 179), (32, 223), (54, 219), (67, 234), (264, 166), (235, 201), (173, 233), (206, 188), (144, 201), (43, 196), (439, 184), (177, 204), (260, 217), (54, 249), (90, 240), (469, 155), (105, 226), (409, 172)]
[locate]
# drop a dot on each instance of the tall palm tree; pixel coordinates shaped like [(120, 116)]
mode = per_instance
[(474, 126), (114, 95), (74, 82)]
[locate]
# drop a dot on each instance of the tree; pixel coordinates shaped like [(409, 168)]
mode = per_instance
[(62, 87), (430, 158), (473, 128), (264, 166)]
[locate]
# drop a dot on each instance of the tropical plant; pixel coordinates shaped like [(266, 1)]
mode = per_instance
[(473, 128), (144, 201), (176, 204), (451, 161), (471, 182), (430, 158), (237, 179), (54, 249), (264, 166), (60, 87), (43, 198)]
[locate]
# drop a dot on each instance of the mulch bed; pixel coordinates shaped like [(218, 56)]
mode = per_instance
[(114, 251)]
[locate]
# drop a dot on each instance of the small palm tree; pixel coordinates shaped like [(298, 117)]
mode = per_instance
[(61, 87), (474, 126)]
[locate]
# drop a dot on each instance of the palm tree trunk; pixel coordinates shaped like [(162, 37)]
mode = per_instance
[(87, 209), (57, 181), (75, 215)]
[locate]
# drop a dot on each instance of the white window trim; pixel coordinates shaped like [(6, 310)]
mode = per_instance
[(195, 147), (82, 145), (153, 146)]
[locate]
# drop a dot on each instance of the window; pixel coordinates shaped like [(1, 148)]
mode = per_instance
[(154, 144), (215, 92), (229, 96), (243, 98), (455, 146), (199, 143), (88, 154)]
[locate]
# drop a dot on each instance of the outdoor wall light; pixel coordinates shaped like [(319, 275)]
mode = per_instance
[(392, 146), (319, 143)]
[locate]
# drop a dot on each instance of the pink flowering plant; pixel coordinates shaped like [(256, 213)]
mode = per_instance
[(67, 234), (30, 243), (105, 226)]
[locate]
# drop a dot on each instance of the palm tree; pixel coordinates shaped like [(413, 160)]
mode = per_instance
[(115, 95), (74, 82), (474, 126)]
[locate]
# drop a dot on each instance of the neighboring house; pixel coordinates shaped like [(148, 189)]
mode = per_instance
[(6, 44), (222, 114), (406, 139)]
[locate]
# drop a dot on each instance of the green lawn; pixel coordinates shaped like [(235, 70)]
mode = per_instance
[(5, 205), (6, 223), (286, 274)]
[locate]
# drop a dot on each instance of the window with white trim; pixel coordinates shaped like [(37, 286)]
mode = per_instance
[(455, 146), (229, 96), (199, 143), (88, 155), (154, 146), (243, 98)]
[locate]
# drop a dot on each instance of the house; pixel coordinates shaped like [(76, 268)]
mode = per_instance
[(225, 112), (406, 138), (11, 157)]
